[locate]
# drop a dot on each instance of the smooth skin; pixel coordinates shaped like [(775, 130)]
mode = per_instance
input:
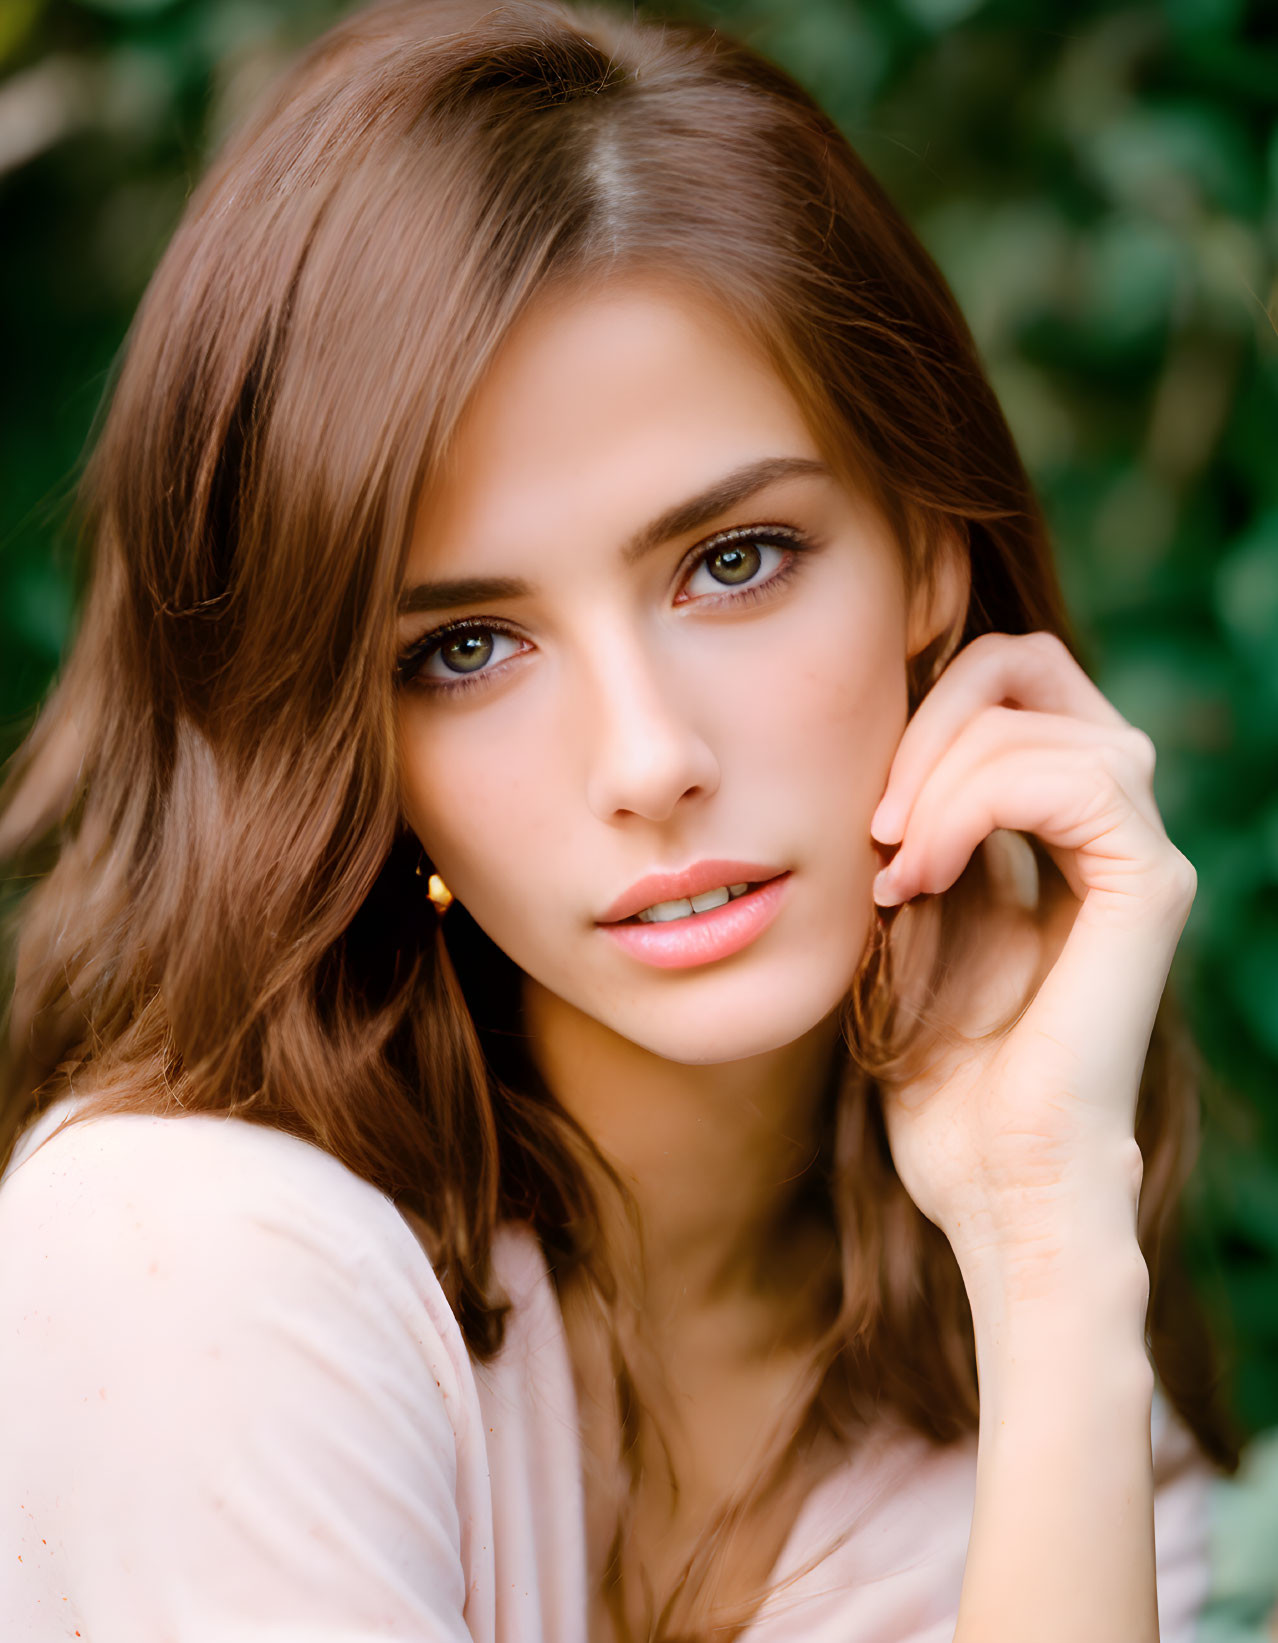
[(628, 713)]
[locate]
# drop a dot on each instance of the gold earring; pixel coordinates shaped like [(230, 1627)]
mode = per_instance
[(437, 891)]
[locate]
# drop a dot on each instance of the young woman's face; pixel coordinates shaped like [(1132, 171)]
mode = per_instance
[(693, 651)]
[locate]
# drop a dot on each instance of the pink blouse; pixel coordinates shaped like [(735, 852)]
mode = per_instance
[(238, 1409)]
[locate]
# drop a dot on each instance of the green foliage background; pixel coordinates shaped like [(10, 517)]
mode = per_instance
[(1100, 183)]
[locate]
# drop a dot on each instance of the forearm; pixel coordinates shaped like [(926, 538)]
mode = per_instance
[(1062, 1543)]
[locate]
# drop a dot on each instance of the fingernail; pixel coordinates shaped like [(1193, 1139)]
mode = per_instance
[(884, 825), (885, 890)]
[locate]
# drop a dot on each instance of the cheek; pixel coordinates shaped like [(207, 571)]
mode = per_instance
[(824, 703), (477, 804)]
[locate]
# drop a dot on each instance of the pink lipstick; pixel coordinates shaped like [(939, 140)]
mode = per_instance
[(679, 942)]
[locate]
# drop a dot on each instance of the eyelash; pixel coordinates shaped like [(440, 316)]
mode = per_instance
[(414, 657)]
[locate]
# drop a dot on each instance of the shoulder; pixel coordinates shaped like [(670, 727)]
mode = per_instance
[(179, 1172), (167, 1217), (198, 1161), (226, 1351)]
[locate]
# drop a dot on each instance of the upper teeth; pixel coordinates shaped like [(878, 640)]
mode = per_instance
[(666, 910)]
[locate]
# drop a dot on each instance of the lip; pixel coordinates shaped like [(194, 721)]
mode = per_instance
[(692, 881), (701, 938)]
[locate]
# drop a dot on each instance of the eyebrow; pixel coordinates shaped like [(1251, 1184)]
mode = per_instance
[(728, 492)]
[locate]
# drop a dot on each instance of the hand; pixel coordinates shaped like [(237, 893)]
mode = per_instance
[(1001, 1141)]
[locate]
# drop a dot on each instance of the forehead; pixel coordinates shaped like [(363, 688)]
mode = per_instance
[(600, 409)]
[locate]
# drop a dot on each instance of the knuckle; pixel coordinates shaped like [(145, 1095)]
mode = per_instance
[(1175, 881), (1111, 761), (1049, 649), (978, 656), (992, 725), (1141, 749), (1182, 877), (1128, 754)]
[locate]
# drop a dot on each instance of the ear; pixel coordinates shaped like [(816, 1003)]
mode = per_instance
[(938, 603), (937, 614)]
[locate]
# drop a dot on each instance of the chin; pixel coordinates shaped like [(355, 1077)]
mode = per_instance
[(748, 1026), (694, 1051)]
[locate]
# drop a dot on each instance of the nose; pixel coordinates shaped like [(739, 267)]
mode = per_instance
[(645, 753)]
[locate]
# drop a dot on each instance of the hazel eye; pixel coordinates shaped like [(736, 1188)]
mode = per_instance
[(454, 657), (738, 561), (466, 652)]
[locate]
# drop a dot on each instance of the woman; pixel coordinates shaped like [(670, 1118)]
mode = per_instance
[(601, 951)]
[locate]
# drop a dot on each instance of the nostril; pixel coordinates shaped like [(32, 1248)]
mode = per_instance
[(651, 780)]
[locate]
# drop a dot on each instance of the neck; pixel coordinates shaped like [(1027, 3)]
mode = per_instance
[(713, 1156)]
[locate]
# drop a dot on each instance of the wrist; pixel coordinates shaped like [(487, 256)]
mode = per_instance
[(1068, 1301), (1022, 1240), (1073, 1330), (1064, 1464)]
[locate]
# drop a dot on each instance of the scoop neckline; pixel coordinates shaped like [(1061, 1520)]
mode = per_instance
[(802, 1551)]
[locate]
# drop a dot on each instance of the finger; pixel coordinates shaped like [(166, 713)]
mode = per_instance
[(1110, 976), (1079, 787), (1034, 671)]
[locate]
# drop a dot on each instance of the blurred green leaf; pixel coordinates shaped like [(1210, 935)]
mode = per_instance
[(1171, 160), (127, 8), (940, 14), (1256, 987), (1134, 272), (1246, 589), (17, 19)]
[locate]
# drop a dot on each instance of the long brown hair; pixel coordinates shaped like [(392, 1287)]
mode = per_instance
[(229, 920)]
